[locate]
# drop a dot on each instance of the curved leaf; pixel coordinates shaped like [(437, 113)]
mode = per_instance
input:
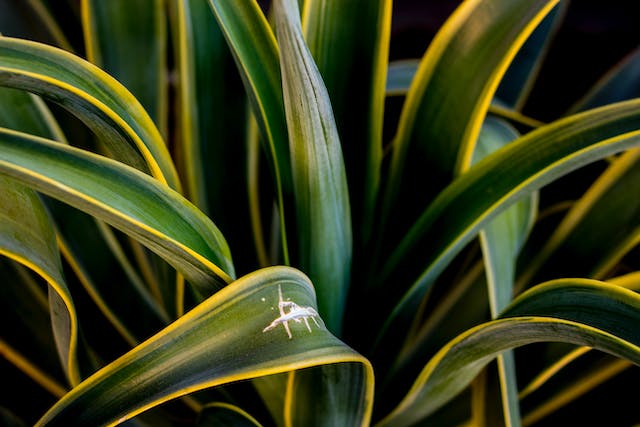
[(501, 241), (320, 183), (490, 186), (583, 312), (595, 226), (236, 334), (27, 236), (26, 112), (125, 198), (327, 395), (446, 104), (92, 95), (128, 40), (223, 414), (517, 82)]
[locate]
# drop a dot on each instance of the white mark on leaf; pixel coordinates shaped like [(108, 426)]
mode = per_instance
[(290, 311)]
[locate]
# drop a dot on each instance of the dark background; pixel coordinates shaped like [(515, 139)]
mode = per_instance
[(593, 37)]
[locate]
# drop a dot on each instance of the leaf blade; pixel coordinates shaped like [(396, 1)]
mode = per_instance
[(598, 316), (125, 198), (320, 187), (170, 367), (95, 97)]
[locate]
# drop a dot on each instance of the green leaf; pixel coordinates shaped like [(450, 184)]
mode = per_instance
[(25, 112), (504, 236), (238, 333), (446, 104), (327, 395), (27, 236), (501, 241), (224, 414), (92, 95), (349, 41), (582, 312), (595, 227), (128, 40), (254, 48), (125, 198), (200, 70), (37, 357), (493, 184), (320, 185)]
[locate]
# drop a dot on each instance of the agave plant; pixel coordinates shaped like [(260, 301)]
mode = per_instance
[(252, 217)]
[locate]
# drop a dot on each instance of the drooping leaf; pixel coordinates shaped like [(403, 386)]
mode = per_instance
[(320, 185), (97, 99), (128, 40), (125, 198), (27, 236), (254, 327), (575, 311)]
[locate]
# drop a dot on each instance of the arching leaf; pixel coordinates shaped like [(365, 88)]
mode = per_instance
[(125, 198), (256, 326)]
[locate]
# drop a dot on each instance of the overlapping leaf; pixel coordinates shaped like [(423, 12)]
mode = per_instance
[(494, 183), (239, 333), (320, 185), (27, 236), (576, 311), (125, 198), (102, 103), (128, 40), (446, 103)]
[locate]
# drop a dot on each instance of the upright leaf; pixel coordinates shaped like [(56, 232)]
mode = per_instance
[(255, 51), (494, 183), (349, 41), (519, 78), (620, 83), (501, 242), (320, 185), (446, 104)]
